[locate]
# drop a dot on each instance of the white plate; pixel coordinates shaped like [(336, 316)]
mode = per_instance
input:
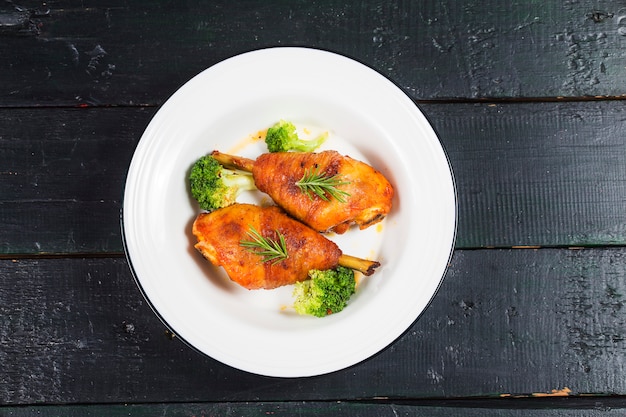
[(367, 117)]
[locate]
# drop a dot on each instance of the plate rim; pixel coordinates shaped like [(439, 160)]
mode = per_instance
[(389, 343)]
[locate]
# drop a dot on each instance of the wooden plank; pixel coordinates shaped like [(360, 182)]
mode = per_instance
[(288, 409), (62, 177), (113, 52), (539, 174), (521, 176), (549, 174), (505, 324)]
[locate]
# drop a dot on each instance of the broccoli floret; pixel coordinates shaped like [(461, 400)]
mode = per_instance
[(326, 292), (214, 186), (282, 137)]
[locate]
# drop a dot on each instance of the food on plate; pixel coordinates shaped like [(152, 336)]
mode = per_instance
[(325, 292), (263, 248), (270, 247), (214, 186), (283, 137), (325, 190)]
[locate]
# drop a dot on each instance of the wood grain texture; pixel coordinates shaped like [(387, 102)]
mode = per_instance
[(140, 52), (546, 174), (62, 177), (537, 174), (528, 100), (505, 323)]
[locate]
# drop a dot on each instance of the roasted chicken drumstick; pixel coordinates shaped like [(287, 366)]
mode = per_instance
[(230, 236), (358, 194)]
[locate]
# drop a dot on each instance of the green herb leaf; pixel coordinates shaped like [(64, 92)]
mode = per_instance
[(313, 182), (273, 251)]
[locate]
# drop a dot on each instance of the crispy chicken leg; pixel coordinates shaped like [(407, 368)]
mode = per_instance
[(368, 193), (220, 235)]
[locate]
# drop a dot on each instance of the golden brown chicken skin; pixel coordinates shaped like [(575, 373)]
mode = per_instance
[(369, 192), (221, 232)]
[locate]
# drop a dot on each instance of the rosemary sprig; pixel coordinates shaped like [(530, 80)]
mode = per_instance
[(314, 182), (271, 250)]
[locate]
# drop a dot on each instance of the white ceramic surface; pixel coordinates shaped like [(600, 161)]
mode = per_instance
[(368, 118)]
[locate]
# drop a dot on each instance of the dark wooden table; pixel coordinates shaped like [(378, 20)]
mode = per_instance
[(529, 100)]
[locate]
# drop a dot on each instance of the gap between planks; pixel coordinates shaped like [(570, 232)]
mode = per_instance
[(100, 255), (445, 100)]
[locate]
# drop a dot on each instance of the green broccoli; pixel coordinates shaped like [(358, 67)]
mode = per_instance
[(282, 137), (326, 292), (214, 186)]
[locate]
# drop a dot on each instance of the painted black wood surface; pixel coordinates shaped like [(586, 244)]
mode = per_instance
[(137, 53), (311, 408), (506, 322), (528, 174), (528, 99)]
